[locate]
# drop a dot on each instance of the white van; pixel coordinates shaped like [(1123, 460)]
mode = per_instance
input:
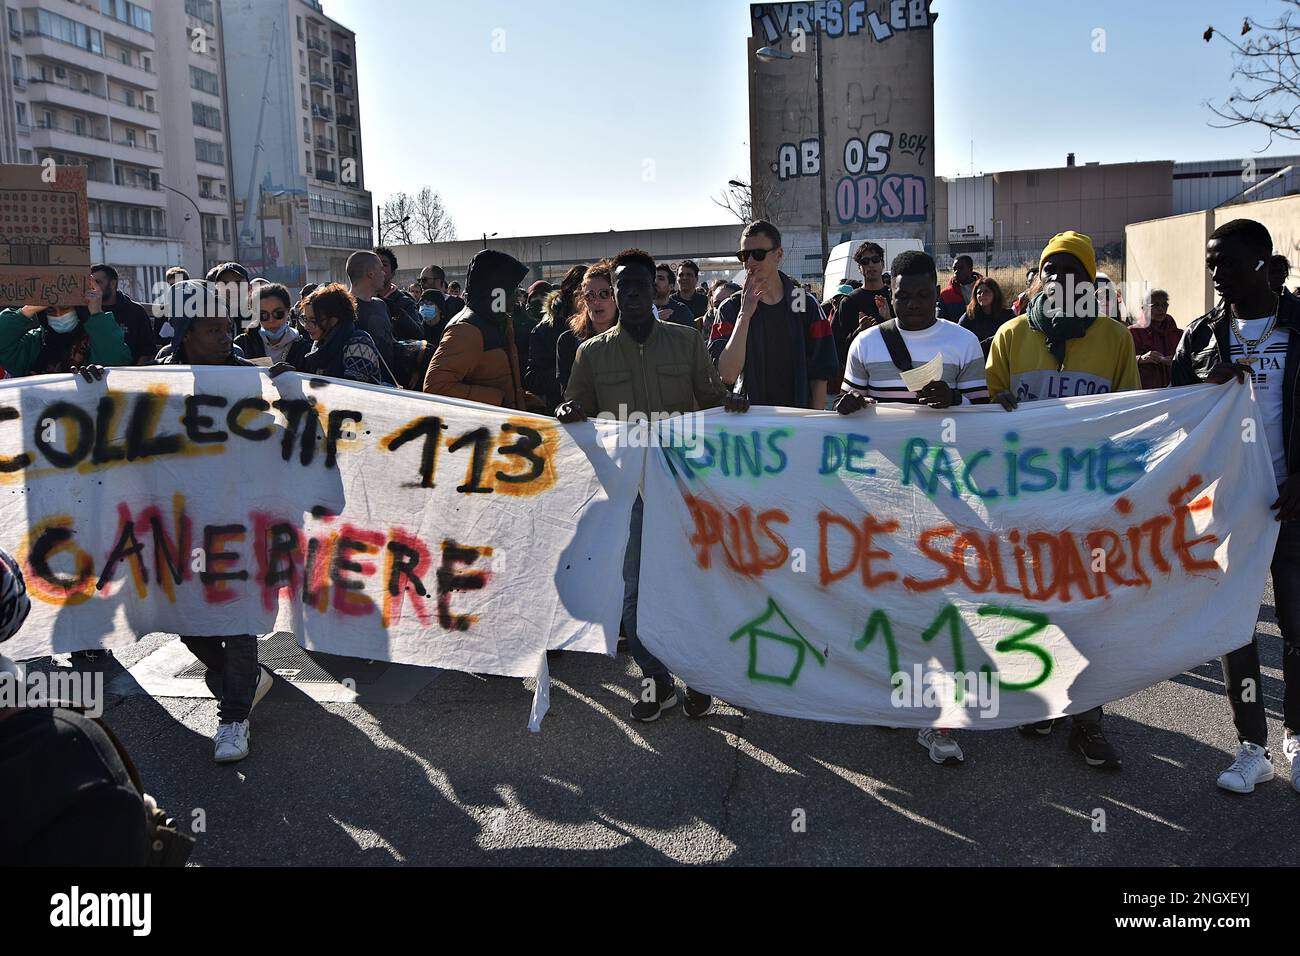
[(841, 266)]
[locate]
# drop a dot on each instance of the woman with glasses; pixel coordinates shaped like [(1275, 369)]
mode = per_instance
[(338, 348), (273, 336), (595, 314)]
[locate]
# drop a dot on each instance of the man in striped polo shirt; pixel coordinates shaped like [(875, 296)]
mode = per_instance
[(877, 359)]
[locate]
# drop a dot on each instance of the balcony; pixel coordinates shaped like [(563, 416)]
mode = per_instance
[(134, 113), (347, 120), (340, 56), (136, 154), (325, 143), (61, 94), (319, 79), (326, 175), (129, 194), (317, 45), (125, 229), (40, 46), (66, 140), (342, 89), (20, 82), (321, 112)]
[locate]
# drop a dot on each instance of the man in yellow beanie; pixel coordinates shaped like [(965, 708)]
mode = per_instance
[(1061, 347)]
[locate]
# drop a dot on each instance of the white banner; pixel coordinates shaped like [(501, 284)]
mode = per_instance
[(368, 522), (966, 567)]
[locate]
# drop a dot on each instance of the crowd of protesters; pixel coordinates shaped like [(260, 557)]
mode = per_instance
[(629, 335)]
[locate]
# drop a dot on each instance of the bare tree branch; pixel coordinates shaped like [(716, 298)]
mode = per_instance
[(741, 202), (432, 221), (1266, 65)]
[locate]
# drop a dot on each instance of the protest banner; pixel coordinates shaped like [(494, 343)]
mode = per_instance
[(955, 568), (44, 236), (369, 523)]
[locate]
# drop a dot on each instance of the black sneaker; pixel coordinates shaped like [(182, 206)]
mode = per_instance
[(697, 704), (663, 695), (1088, 739), (1040, 729), (88, 657)]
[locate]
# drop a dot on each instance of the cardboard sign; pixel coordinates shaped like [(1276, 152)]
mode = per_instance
[(44, 236)]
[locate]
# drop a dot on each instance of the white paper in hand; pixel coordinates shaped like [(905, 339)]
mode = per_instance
[(921, 376)]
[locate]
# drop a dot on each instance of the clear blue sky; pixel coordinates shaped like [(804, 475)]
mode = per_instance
[(540, 138)]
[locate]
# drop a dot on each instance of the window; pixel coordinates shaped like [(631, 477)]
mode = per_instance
[(22, 113), (79, 125), (130, 137), (16, 64), (225, 230), (207, 151), (206, 116), (24, 155), (47, 24), (146, 64), (128, 97), (201, 9), (127, 12), (204, 81), (15, 25), (300, 28)]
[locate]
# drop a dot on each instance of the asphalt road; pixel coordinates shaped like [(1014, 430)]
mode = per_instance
[(456, 778)]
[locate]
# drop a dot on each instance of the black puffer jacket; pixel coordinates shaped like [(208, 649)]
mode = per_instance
[(1206, 343)]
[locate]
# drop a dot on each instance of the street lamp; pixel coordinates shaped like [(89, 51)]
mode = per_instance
[(394, 223), (486, 237), (541, 274), (203, 240), (768, 54)]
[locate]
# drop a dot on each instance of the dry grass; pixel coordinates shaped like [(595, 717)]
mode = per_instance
[(1012, 278)]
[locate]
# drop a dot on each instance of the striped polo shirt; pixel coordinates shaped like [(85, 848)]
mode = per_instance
[(872, 373)]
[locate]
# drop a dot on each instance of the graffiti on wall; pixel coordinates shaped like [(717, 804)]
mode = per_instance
[(835, 18), (875, 153)]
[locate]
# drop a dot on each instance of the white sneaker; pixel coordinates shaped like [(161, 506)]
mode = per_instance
[(265, 680), (231, 742), (1291, 750), (1253, 765), (943, 747)]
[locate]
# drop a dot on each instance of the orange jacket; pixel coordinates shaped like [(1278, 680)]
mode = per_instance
[(476, 360)]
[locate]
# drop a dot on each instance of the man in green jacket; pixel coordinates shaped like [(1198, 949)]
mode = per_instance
[(645, 366), (34, 341)]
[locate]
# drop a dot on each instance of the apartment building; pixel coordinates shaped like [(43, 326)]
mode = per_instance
[(300, 199), (81, 86), (200, 203)]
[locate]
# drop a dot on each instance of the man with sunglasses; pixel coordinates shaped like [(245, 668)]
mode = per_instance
[(771, 340), (859, 311)]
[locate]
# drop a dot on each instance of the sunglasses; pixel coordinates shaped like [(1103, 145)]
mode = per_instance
[(603, 295), (758, 255), (277, 314), (873, 260)]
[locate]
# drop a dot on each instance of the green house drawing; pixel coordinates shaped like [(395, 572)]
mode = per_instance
[(773, 625)]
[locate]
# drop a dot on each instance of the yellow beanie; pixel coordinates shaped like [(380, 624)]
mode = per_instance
[(1077, 245)]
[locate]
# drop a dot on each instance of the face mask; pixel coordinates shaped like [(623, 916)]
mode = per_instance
[(273, 337), (429, 312), (63, 323)]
